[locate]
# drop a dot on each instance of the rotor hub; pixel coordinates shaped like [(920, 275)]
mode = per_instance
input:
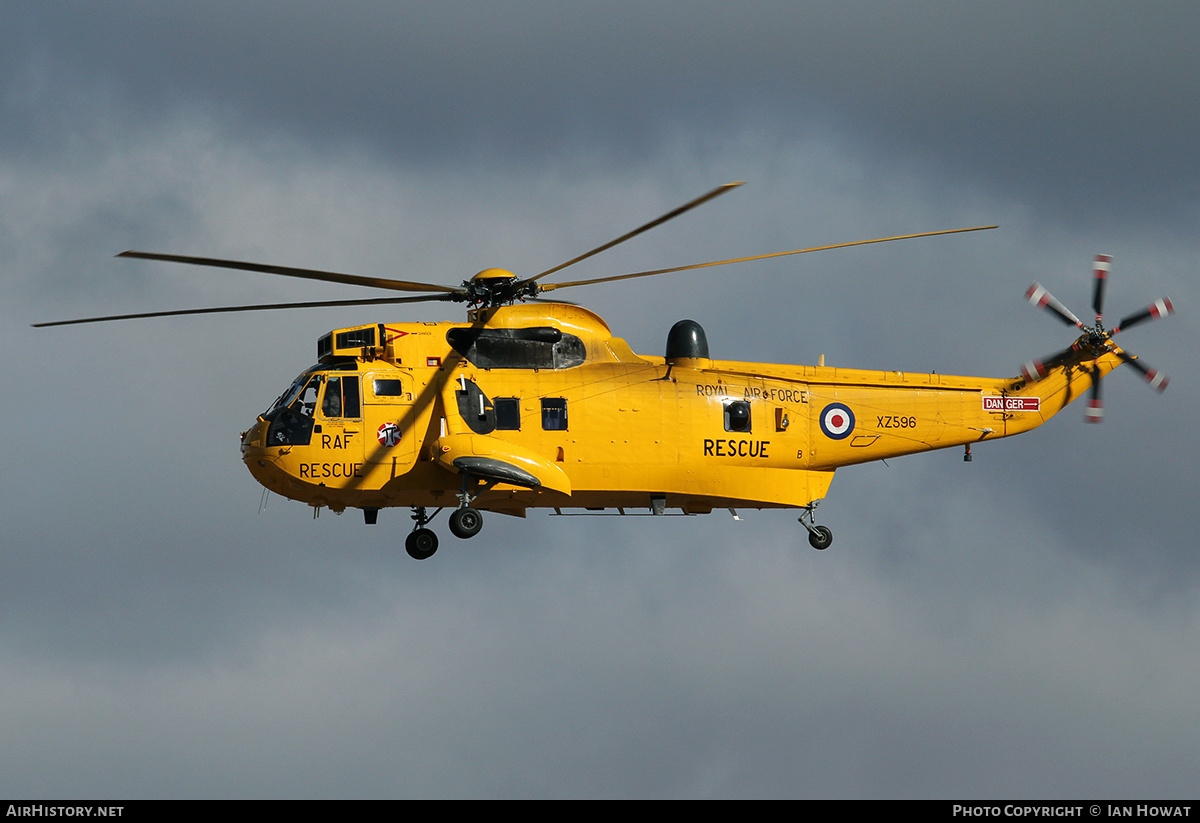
[(1097, 339), (497, 287)]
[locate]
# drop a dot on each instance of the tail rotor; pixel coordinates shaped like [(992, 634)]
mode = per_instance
[(1096, 340)]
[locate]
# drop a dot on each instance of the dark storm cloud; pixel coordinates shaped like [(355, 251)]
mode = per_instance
[(1076, 106)]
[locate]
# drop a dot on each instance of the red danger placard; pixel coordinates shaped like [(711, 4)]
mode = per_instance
[(1021, 404)]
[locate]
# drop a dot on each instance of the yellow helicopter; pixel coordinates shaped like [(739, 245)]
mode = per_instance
[(537, 405)]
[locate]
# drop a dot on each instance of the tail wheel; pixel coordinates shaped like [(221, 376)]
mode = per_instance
[(466, 522), (421, 544)]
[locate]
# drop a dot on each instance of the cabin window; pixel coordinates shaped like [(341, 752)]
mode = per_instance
[(389, 388), (737, 416), (542, 347), (508, 413), (554, 413)]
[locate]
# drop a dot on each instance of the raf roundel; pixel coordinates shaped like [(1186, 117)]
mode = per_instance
[(388, 434), (837, 421)]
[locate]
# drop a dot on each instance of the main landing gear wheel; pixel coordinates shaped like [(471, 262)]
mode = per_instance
[(466, 522), (421, 544), (820, 538)]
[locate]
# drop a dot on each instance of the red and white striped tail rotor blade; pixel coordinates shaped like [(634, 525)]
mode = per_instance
[(1038, 296), (1033, 370), (1095, 406), (1157, 380), (1159, 308), (1099, 281)]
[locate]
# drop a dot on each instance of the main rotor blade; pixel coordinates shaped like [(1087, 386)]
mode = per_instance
[(1103, 261), (704, 198), (1157, 380), (552, 286), (307, 274), (1038, 296), (371, 301), (1157, 309)]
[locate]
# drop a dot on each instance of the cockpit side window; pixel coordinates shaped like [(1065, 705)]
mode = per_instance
[(341, 397), (302, 383), (291, 417), (293, 391), (332, 407), (306, 403)]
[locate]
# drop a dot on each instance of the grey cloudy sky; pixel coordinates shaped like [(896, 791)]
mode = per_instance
[(1024, 625)]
